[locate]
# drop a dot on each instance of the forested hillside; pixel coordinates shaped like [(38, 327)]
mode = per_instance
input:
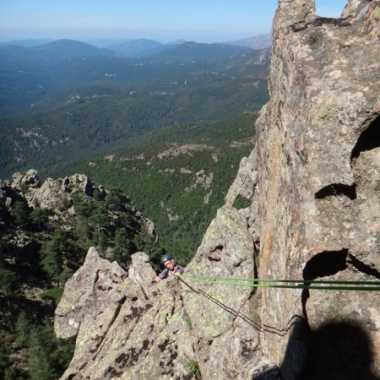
[(38, 78), (109, 100), (178, 175), (168, 127), (45, 231)]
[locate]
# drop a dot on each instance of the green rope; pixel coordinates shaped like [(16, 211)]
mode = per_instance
[(288, 284), (254, 280)]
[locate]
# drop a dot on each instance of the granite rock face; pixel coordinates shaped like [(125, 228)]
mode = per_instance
[(125, 327), (223, 331), (310, 210), (317, 192)]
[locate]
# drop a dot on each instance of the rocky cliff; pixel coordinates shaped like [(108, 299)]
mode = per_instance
[(46, 227), (311, 192)]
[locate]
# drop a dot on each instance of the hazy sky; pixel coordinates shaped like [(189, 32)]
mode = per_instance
[(203, 20)]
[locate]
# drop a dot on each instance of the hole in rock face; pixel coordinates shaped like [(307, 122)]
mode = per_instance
[(337, 189), (215, 254), (218, 248), (368, 140), (328, 8), (241, 202), (326, 263)]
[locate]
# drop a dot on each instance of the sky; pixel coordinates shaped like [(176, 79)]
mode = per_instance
[(165, 20)]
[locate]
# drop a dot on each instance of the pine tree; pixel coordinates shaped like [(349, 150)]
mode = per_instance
[(9, 374), (53, 252), (22, 330), (4, 361), (39, 217), (82, 205), (123, 246), (114, 201), (21, 212), (48, 356), (82, 232), (7, 281), (99, 222), (39, 363)]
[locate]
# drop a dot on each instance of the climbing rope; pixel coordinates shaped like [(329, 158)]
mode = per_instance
[(277, 284), (366, 286), (253, 283), (258, 326)]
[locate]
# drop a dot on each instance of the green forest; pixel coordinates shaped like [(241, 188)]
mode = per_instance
[(190, 84), (168, 189), (39, 253)]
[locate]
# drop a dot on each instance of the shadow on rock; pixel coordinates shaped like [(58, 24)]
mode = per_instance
[(339, 350)]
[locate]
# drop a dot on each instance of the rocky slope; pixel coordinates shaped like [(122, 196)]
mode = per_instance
[(312, 187), (45, 226), (63, 198)]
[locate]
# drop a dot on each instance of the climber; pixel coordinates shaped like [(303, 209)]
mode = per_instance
[(170, 268)]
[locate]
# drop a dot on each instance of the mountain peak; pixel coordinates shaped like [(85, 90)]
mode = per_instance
[(66, 48)]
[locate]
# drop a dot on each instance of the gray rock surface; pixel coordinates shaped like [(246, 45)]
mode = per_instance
[(51, 194), (313, 191), (125, 327), (28, 179), (317, 209), (57, 195), (95, 286)]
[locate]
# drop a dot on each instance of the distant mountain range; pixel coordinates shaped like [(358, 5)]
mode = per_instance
[(69, 49), (46, 54), (37, 77), (263, 41), (145, 47), (26, 43), (137, 48), (134, 48), (66, 99)]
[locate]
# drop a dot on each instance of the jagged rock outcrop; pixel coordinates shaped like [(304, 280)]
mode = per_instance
[(125, 328), (44, 227), (56, 195), (51, 194), (313, 190)]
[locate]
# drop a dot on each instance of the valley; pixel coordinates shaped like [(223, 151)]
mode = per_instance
[(178, 176), (105, 112)]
